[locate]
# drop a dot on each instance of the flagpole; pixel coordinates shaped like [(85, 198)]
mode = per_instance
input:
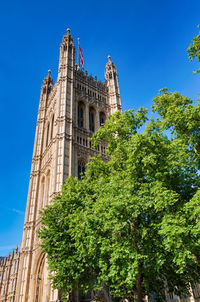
[(78, 54)]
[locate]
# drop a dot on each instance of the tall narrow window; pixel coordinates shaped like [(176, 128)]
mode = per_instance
[(102, 118), (6, 274), (13, 285), (52, 123), (92, 119), (15, 268), (42, 193), (81, 168), (80, 115), (47, 137), (47, 186)]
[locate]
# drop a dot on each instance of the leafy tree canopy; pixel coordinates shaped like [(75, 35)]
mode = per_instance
[(132, 222), (194, 49)]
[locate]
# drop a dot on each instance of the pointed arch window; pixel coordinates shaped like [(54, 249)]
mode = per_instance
[(92, 119), (102, 118), (81, 168), (81, 110)]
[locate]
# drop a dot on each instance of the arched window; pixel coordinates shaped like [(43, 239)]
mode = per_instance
[(92, 119), (102, 118), (52, 123), (81, 168), (47, 137), (81, 110)]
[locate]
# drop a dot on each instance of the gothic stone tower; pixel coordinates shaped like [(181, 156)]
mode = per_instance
[(69, 112)]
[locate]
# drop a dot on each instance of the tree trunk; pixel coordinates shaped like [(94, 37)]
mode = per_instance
[(139, 293)]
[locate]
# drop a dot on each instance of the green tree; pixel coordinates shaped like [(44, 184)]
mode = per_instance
[(132, 223), (194, 49)]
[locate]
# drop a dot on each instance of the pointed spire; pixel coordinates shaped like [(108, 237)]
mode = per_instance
[(48, 82), (111, 78), (67, 39)]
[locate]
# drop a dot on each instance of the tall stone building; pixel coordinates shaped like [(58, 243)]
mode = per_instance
[(69, 112)]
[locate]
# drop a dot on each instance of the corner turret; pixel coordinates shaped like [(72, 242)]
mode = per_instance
[(47, 83), (111, 77), (67, 56)]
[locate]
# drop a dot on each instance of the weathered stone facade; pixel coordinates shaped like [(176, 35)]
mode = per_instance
[(69, 112)]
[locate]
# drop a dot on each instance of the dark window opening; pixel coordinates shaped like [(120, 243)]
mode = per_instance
[(91, 120), (80, 115), (81, 169), (102, 118)]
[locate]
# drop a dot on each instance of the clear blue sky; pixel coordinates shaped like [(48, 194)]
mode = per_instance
[(147, 40)]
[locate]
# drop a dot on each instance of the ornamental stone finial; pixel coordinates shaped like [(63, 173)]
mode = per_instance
[(109, 57), (49, 71), (67, 39)]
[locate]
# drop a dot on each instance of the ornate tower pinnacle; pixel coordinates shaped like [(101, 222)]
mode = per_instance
[(67, 55), (67, 39), (111, 77)]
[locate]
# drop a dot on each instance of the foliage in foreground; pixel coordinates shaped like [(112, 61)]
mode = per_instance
[(132, 223)]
